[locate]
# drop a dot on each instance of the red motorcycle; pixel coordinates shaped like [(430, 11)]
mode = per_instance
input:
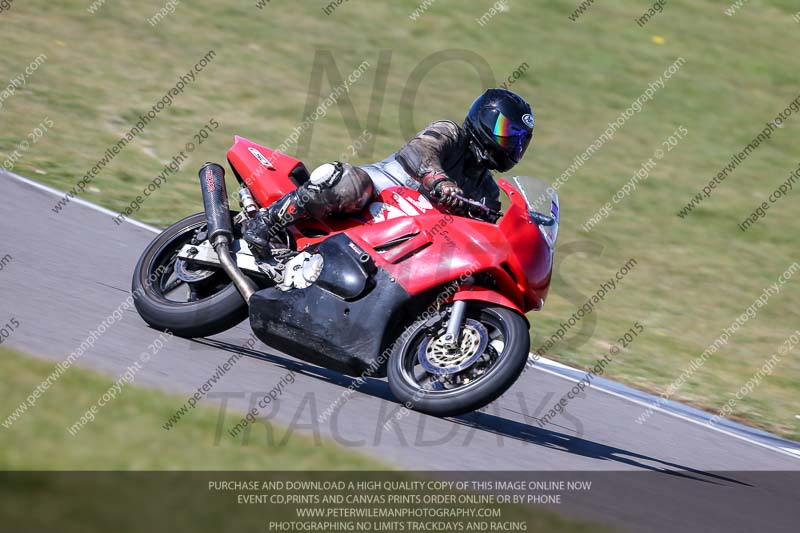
[(404, 289)]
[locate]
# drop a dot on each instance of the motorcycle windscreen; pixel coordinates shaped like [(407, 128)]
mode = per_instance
[(543, 206)]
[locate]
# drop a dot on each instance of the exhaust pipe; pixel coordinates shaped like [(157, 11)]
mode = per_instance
[(220, 228)]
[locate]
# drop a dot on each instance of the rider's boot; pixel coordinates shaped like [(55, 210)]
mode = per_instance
[(333, 188), (269, 222)]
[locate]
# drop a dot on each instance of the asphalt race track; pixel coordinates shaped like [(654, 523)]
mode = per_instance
[(71, 270)]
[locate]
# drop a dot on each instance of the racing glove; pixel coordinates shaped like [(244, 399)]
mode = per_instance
[(447, 192), (444, 190)]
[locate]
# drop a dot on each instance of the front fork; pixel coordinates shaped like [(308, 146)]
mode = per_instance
[(455, 323)]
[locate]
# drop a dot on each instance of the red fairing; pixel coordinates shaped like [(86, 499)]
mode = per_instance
[(423, 247), (265, 172), (531, 259), (480, 294), (430, 248)]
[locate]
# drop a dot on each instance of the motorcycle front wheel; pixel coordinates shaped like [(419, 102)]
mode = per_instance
[(188, 300), (432, 377)]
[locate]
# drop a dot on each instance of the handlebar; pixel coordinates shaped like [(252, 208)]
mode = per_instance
[(491, 214), (483, 209)]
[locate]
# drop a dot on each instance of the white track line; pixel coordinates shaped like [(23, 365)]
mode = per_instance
[(80, 201), (785, 451)]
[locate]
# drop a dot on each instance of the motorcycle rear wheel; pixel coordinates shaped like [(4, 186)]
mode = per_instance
[(213, 304), (496, 369)]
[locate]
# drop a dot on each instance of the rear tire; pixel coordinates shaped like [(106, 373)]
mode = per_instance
[(499, 376), (219, 307)]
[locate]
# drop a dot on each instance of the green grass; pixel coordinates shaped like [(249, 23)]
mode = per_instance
[(127, 436), (127, 433), (695, 276)]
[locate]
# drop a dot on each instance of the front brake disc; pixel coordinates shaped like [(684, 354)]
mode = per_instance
[(437, 357)]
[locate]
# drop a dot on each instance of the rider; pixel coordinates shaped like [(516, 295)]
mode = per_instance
[(444, 160)]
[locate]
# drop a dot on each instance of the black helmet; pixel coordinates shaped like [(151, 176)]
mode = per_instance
[(501, 124)]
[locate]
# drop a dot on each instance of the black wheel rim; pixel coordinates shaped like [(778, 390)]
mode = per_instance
[(427, 383), (168, 287)]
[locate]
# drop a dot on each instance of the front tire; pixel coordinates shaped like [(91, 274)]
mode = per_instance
[(213, 304), (503, 357)]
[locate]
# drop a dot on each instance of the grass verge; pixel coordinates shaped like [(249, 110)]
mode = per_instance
[(127, 436), (695, 275)]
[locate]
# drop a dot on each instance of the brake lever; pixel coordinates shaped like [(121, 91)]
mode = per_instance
[(488, 212)]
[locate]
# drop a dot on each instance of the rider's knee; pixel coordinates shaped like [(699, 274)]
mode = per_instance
[(337, 188), (361, 186), (340, 188)]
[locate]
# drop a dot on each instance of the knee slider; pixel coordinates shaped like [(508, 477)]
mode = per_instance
[(337, 188), (327, 175)]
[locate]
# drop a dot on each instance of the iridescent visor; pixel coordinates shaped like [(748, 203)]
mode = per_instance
[(512, 138)]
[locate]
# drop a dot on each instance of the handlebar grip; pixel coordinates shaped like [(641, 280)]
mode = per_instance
[(488, 211)]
